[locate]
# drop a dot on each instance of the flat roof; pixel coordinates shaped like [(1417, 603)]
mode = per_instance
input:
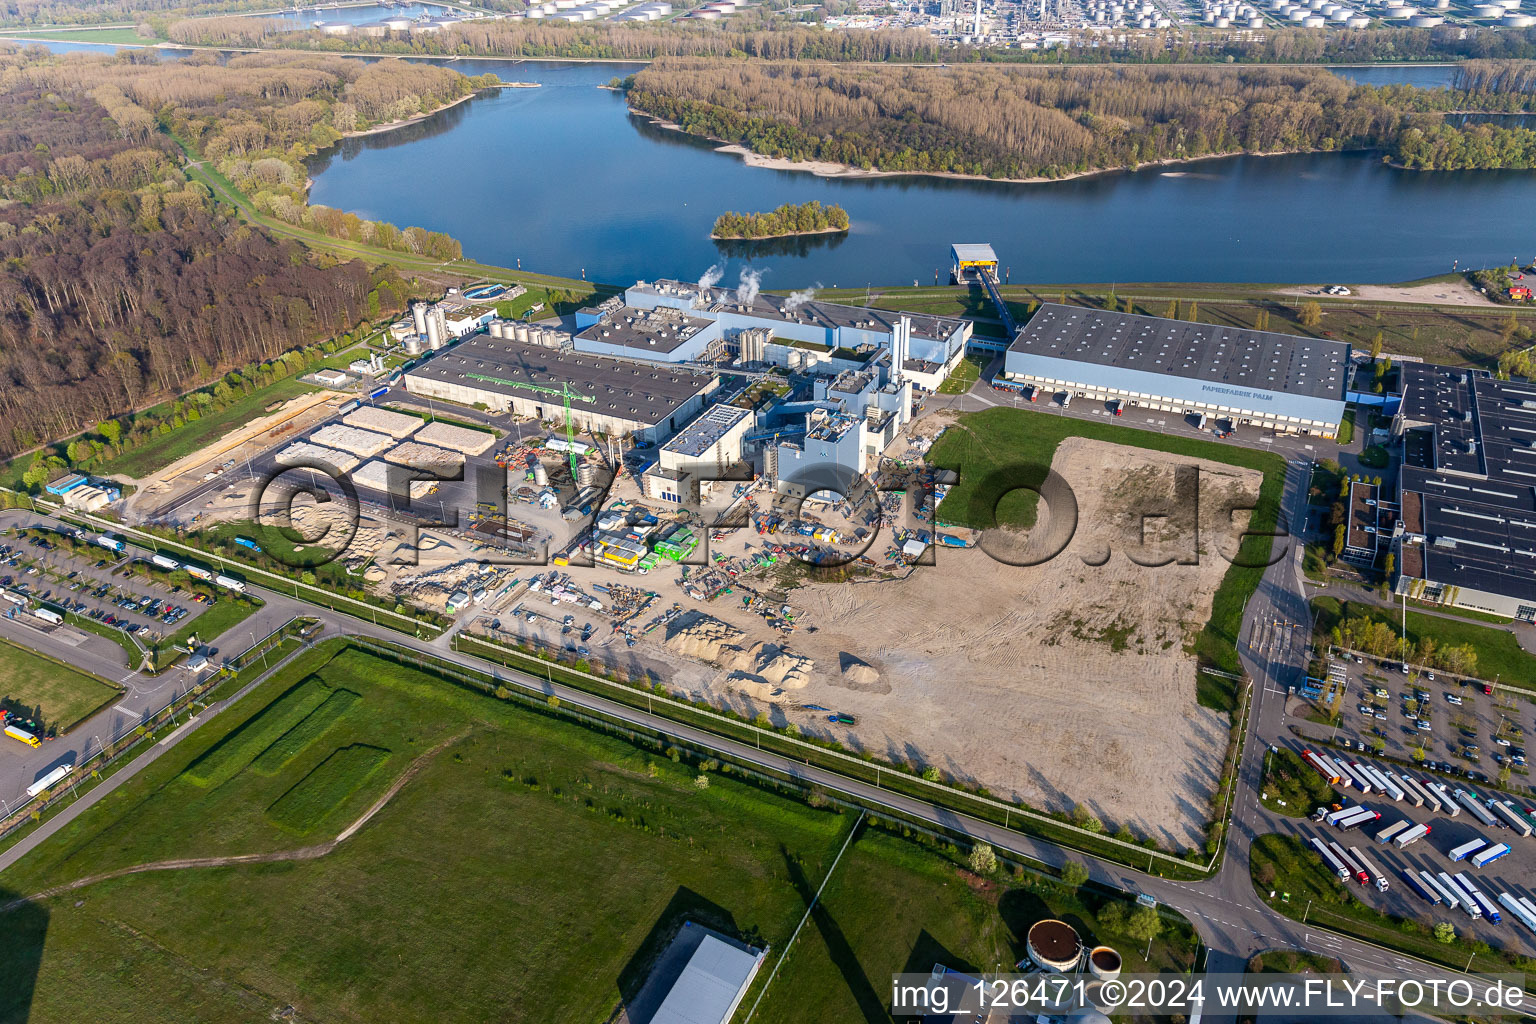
[(1233, 356), (710, 426), (650, 330), (1469, 491), (710, 986), (648, 392), (791, 310), (974, 252)]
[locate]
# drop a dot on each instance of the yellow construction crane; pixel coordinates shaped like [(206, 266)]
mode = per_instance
[(565, 393)]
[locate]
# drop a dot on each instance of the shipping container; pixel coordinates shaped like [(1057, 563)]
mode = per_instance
[(1467, 849), (1410, 836), (1482, 858), (1385, 835)]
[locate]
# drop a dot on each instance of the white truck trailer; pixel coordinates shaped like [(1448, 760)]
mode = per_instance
[(1410, 794), (1414, 785), (1334, 864), (1470, 801), (1515, 907), (1386, 785), (1482, 858), (164, 561), (1505, 810), (1385, 835), (1362, 816), (1408, 837), (48, 615), (1376, 877), (1484, 904), (1449, 895), (1464, 899)]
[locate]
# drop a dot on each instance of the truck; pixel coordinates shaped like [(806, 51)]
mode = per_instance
[(1473, 804), (1200, 419), (1424, 796), (1360, 780), (1466, 849), (164, 561), (378, 392), (47, 781), (1334, 817), (1483, 858), (1484, 904), (1066, 399), (1463, 898), (246, 542), (1385, 835), (49, 615), (1333, 863), (14, 598), (229, 583), (1356, 871), (1384, 784), (1447, 894), (1409, 795), (1117, 406), (16, 732), (1515, 819), (1423, 891), (113, 544), (1321, 766), (1448, 803), (1522, 914), (198, 572), (1408, 837), (347, 407), (1377, 878), (1363, 816)]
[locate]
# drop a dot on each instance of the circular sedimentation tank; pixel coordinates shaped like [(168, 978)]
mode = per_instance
[(1104, 963), (1054, 945)]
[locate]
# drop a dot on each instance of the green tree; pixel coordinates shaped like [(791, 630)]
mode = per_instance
[(1144, 924), (1311, 314), (983, 859), (1073, 874), (1445, 933)]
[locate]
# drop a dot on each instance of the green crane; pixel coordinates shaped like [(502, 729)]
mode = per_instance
[(565, 393)]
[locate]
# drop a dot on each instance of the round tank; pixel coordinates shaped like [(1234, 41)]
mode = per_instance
[(1359, 21), (1488, 11), (419, 316), (1517, 21), (1054, 945), (1223, 22), (1339, 17), (498, 329), (521, 332), (1316, 21), (1426, 20), (540, 474), (1509, 5), (585, 473), (1104, 963), (414, 346), (1255, 22)]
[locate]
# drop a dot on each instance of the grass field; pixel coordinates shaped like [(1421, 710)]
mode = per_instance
[(1453, 335), (968, 372), (122, 36), (999, 451), (307, 805), (1292, 787), (159, 452), (1498, 652), (555, 859), (292, 743), (62, 696)]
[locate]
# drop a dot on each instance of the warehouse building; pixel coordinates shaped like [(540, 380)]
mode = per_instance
[(651, 402), (1467, 490), (700, 978), (1274, 381), (704, 448)]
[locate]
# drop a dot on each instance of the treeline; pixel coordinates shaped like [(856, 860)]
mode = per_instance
[(587, 40), (125, 283), (789, 219), (1015, 122), (1446, 147), (257, 117), (1380, 640)]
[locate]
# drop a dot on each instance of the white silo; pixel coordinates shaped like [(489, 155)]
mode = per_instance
[(437, 329), (419, 316), (540, 474)]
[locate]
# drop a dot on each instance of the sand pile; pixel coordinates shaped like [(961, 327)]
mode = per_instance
[(768, 661), (702, 637)]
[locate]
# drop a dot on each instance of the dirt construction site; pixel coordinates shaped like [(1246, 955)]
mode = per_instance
[(1063, 683)]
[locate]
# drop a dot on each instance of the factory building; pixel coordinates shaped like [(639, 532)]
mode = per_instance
[(803, 333), (1467, 490), (651, 402), (968, 260), (663, 333), (704, 448), (1273, 381)]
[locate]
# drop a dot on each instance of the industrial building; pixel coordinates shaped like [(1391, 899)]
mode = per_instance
[(1370, 522), (968, 259), (1274, 381), (700, 978), (793, 331), (1467, 490), (652, 402)]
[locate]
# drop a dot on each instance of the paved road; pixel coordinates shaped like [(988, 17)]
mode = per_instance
[(1230, 918)]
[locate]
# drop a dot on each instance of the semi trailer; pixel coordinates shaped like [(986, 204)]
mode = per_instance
[(1516, 820), (1385, 835), (1333, 863), (1376, 877), (1482, 858), (165, 561), (1321, 766), (1448, 804), (229, 583), (1410, 794), (113, 544), (1485, 906), (1472, 803), (49, 615), (1408, 837), (1463, 900), (1381, 782), (48, 780), (1466, 849), (1355, 870), (16, 732), (1448, 895), (1362, 816), (1522, 914), (1424, 893), (1429, 798)]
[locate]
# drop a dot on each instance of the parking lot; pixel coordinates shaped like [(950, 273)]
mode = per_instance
[(1458, 730), (104, 589)]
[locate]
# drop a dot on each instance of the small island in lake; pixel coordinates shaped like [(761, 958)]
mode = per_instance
[(804, 219)]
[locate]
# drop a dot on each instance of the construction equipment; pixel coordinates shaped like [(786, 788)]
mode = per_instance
[(565, 393)]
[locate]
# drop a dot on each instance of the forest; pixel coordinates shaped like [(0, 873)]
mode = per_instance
[(127, 284), (788, 219), (1024, 123)]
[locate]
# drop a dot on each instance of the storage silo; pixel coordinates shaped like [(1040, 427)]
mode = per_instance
[(1359, 21), (540, 474), (414, 344), (437, 329), (1255, 22), (1517, 21), (419, 316), (1425, 20), (497, 329), (1314, 21), (1054, 946), (520, 332)]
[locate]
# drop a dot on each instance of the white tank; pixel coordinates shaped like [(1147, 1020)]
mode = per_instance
[(1223, 22), (1488, 11), (419, 316), (1517, 21), (520, 332), (414, 345), (1255, 22), (436, 329), (540, 475), (1104, 963), (1426, 20), (1359, 21), (1315, 21)]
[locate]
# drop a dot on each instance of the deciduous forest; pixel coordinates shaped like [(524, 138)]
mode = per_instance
[(1024, 123), (126, 282), (789, 219)]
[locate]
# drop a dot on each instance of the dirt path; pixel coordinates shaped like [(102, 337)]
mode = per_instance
[(302, 853)]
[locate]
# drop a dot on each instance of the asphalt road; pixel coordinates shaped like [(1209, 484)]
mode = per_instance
[(1230, 918)]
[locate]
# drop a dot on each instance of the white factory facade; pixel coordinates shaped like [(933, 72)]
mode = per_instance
[(1251, 378)]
